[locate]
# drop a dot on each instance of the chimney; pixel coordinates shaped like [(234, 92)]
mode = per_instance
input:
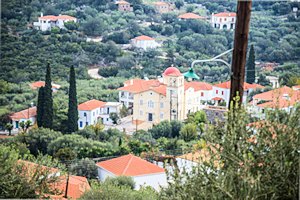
[(42, 14)]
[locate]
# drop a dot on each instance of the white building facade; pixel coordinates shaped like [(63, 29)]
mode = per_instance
[(141, 171), (45, 23), (23, 116), (94, 111), (144, 42), (224, 20)]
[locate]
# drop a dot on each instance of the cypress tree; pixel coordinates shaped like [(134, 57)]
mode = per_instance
[(40, 107), (250, 73), (47, 119), (73, 110)]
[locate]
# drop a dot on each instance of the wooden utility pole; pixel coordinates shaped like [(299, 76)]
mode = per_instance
[(240, 50)]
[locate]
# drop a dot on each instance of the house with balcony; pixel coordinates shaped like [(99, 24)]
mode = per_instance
[(94, 111), (223, 20), (163, 7), (47, 22)]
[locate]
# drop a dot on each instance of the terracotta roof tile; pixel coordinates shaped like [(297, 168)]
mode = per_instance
[(139, 85), (190, 16), (91, 105), (172, 71), (198, 85), (122, 2), (278, 98), (225, 14), (143, 37), (226, 85), (130, 165), (54, 18), (24, 114), (39, 84), (160, 3)]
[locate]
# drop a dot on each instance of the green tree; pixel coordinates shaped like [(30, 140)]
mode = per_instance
[(25, 125), (198, 118), (250, 72), (257, 163), (9, 127), (40, 107), (73, 110), (179, 3), (114, 117), (48, 101), (163, 129), (121, 181), (65, 155), (85, 167), (188, 132), (38, 139), (20, 181)]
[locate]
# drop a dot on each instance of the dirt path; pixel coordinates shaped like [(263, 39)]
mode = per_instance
[(93, 73)]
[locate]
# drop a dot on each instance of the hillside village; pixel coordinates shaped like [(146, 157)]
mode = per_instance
[(132, 100)]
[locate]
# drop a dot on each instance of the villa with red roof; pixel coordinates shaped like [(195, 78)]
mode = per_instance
[(224, 20), (45, 23), (167, 98), (221, 91), (93, 111), (284, 98), (144, 42), (163, 7), (142, 172), (39, 84), (187, 16), (23, 116), (124, 6)]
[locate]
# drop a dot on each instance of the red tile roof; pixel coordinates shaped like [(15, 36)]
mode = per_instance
[(76, 187), (217, 98), (172, 71), (160, 3), (226, 85), (139, 85), (122, 2), (143, 37), (225, 14), (39, 84), (198, 85), (190, 16), (54, 18), (24, 114), (278, 98), (130, 165), (91, 105)]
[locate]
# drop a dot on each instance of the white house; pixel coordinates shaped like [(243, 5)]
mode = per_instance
[(274, 81), (45, 23), (223, 20), (142, 172), (23, 116), (144, 42), (221, 91), (93, 111)]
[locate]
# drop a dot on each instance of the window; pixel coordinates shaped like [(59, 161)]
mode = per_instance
[(141, 102), (161, 115), (86, 123), (80, 124), (107, 119), (225, 19), (84, 114), (232, 19), (161, 104), (202, 94), (150, 117), (141, 112), (93, 113), (217, 91), (222, 92), (150, 104)]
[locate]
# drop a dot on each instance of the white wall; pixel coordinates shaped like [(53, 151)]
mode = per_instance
[(14, 122), (185, 165), (145, 44), (154, 180)]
